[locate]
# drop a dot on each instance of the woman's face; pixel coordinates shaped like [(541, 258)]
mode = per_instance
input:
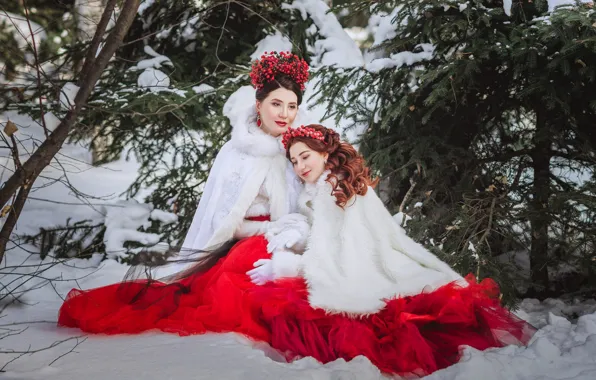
[(308, 164), (278, 111)]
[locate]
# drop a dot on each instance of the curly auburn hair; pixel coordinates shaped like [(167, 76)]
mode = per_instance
[(349, 175)]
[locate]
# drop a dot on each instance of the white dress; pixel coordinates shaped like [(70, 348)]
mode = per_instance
[(249, 176)]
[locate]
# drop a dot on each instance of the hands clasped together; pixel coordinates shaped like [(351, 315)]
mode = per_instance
[(287, 234)]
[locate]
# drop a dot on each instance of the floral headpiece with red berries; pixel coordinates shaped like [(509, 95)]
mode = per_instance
[(301, 131), (265, 69)]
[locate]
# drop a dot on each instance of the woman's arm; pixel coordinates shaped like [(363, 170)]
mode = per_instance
[(250, 228)]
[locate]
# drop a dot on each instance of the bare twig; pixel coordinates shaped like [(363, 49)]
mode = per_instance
[(43, 348), (71, 350), (99, 32), (487, 231), (37, 66), (13, 216), (31, 169), (25, 323), (12, 360)]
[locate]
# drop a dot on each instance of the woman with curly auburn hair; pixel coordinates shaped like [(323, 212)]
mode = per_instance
[(362, 286), (345, 163)]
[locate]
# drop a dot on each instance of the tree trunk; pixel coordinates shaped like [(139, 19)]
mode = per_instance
[(88, 15), (26, 175), (539, 216)]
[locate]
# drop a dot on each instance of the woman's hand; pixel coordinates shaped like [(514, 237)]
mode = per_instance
[(263, 272), (289, 232), (282, 264)]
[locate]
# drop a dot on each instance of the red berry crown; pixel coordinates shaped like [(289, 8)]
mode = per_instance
[(265, 69), (301, 131)]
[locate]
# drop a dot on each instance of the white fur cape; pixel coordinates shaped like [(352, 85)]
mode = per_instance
[(244, 163), (358, 257)]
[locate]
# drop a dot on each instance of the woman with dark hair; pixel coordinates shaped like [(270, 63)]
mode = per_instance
[(362, 286), (251, 189)]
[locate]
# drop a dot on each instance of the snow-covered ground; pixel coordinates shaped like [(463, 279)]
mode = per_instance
[(560, 350), (33, 347)]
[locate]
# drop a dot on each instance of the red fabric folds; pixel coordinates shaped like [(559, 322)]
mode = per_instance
[(412, 335)]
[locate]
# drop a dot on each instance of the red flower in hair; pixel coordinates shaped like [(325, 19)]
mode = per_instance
[(273, 63), (303, 132)]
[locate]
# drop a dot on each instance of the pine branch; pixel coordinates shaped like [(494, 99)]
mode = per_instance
[(28, 173)]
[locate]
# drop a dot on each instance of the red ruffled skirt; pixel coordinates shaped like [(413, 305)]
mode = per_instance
[(414, 335)]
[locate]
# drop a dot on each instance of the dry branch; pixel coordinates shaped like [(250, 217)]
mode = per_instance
[(26, 175)]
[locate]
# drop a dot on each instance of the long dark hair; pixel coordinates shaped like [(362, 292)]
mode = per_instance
[(143, 289), (208, 258), (200, 261), (280, 81)]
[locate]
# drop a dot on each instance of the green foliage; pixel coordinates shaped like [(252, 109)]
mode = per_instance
[(471, 125), (176, 135), (173, 132)]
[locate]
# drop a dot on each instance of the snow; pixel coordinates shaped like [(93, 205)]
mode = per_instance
[(122, 224), (507, 7), (202, 88), (401, 59), (552, 4), (274, 42), (144, 6), (68, 94), (51, 121), (358, 34), (563, 348), (20, 27), (383, 26), (336, 48), (164, 217), (156, 62), (153, 79), (98, 196)]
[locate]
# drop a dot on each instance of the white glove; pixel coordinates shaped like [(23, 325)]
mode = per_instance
[(250, 228), (289, 232), (287, 221), (282, 264), (285, 240), (262, 273)]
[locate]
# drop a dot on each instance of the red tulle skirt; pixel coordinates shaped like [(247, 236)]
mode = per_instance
[(413, 335)]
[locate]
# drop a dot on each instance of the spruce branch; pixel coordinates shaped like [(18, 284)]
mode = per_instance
[(25, 176)]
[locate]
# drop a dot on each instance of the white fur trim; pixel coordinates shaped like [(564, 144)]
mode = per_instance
[(357, 257), (257, 209), (250, 228), (277, 187), (249, 138), (227, 227), (286, 264)]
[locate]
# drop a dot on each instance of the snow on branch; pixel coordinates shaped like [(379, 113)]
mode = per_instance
[(337, 48)]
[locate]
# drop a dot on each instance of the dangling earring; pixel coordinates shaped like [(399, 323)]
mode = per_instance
[(259, 122)]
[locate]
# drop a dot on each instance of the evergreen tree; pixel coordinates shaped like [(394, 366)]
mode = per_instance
[(167, 109), (483, 115), (161, 99), (51, 22)]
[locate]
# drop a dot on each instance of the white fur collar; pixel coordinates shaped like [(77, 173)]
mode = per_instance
[(250, 139), (311, 189), (247, 137)]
